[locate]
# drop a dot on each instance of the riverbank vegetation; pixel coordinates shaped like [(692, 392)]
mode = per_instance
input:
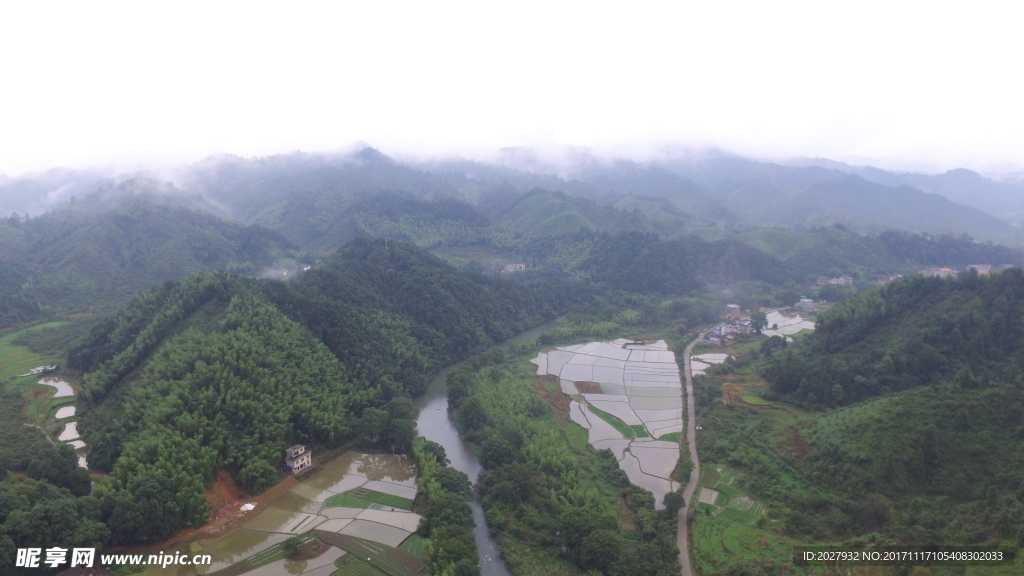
[(447, 517), (555, 503)]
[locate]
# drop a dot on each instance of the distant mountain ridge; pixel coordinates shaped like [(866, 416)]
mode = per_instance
[(307, 197), (1004, 199), (94, 255), (125, 234)]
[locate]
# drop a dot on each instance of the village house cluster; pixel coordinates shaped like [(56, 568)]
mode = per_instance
[(979, 268), (835, 281), (734, 324)]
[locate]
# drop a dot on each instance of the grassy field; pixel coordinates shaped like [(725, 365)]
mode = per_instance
[(16, 359), (25, 401), (753, 399), (577, 436)]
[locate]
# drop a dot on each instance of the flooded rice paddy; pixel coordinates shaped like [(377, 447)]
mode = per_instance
[(322, 565), (63, 388), (629, 398), (786, 325), (701, 362), (70, 434), (378, 479)]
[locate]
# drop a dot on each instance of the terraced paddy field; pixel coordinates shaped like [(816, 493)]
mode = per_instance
[(721, 546), (628, 396), (720, 496), (51, 400), (701, 362), (356, 503)]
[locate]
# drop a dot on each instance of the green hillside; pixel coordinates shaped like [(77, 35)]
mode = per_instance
[(836, 250), (928, 466), (919, 331), (899, 420), (644, 263), (220, 371), (95, 255), (543, 213), (950, 443)]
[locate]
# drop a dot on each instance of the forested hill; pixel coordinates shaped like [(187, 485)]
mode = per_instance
[(836, 250), (221, 371), (94, 256), (648, 264), (919, 331), (369, 288)]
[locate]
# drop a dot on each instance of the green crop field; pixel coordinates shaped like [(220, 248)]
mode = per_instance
[(619, 425), (355, 567), (415, 545), (274, 553), (673, 437), (639, 431), (397, 562), (363, 498)]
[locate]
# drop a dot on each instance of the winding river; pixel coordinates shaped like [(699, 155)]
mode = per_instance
[(434, 423)]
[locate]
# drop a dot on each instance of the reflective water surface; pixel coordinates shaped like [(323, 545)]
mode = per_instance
[(435, 424)]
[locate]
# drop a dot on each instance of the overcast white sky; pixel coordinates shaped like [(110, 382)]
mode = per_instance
[(925, 84)]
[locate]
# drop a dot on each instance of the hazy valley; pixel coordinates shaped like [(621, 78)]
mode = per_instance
[(208, 317)]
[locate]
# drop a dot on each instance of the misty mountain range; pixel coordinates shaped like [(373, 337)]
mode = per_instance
[(704, 196)]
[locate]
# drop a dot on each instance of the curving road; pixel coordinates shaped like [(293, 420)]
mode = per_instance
[(691, 486)]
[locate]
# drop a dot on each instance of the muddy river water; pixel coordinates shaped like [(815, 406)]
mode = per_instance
[(435, 424)]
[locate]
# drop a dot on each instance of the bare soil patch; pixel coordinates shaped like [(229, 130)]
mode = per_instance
[(224, 491), (558, 399), (224, 518)]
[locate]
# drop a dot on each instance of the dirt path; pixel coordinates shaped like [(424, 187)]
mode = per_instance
[(45, 433), (691, 486)]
